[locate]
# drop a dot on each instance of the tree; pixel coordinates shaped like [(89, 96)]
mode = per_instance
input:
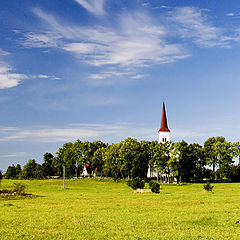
[(236, 150), (65, 157), (97, 160), (161, 157), (198, 158), (13, 172), (134, 157), (235, 173), (210, 154), (113, 165), (47, 166), (182, 161), (1, 176), (84, 154), (32, 170), (224, 155)]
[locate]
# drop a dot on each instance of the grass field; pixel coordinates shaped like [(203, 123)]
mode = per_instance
[(92, 209)]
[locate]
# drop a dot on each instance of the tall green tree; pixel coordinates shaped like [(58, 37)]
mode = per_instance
[(32, 170), (97, 160), (182, 161), (47, 166), (11, 172), (113, 165), (197, 155), (224, 154), (210, 153), (236, 150), (65, 157)]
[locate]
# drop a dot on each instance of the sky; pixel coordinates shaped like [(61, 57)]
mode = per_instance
[(100, 70)]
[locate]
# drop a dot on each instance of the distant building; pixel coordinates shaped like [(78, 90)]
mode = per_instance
[(164, 132), (163, 136)]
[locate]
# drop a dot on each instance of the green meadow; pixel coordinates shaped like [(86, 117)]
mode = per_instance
[(103, 209)]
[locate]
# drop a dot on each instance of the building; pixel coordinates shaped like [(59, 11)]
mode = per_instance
[(164, 132), (163, 136)]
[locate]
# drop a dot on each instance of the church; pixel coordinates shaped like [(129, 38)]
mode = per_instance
[(163, 136), (164, 132)]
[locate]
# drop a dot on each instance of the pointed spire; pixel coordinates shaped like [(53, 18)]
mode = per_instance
[(164, 126)]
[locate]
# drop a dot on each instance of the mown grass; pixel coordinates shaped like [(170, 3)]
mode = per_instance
[(92, 209)]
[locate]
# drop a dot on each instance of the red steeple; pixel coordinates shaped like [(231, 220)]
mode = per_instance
[(164, 126)]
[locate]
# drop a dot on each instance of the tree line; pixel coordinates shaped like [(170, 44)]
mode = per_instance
[(129, 159)]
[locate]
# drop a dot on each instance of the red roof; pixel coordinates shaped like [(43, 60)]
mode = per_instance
[(164, 126)]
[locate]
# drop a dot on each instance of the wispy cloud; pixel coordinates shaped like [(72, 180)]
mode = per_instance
[(13, 155), (95, 7), (76, 131), (8, 78), (3, 53), (191, 23), (110, 77), (137, 41), (230, 14)]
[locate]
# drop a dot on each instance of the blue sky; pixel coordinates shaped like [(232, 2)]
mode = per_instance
[(99, 69)]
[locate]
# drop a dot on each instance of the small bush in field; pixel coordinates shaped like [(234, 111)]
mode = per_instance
[(208, 187), (19, 188), (154, 186), (151, 183), (136, 183)]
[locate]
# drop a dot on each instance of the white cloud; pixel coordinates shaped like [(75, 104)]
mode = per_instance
[(76, 131), (3, 53), (13, 155), (95, 7), (192, 24), (230, 14), (8, 78), (46, 40), (137, 41)]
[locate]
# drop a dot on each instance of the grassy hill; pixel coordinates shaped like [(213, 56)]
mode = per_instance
[(92, 209)]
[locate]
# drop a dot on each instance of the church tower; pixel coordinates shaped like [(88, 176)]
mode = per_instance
[(163, 132)]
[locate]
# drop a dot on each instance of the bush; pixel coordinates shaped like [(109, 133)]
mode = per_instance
[(19, 188), (136, 183), (154, 186), (208, 187), (151, 183)]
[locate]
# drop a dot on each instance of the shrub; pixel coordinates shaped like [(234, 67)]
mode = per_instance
[(136, 183), (154, 186), (151, 183), (19, 188), (207, 186)]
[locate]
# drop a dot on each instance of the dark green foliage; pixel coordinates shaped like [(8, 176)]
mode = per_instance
[(131, 159), (151, 183), (1, 176), (154, 186), (13, 172), (19, 188), (208, 187), (47, 166), (235, 173), (136, 183), (32, 170)]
